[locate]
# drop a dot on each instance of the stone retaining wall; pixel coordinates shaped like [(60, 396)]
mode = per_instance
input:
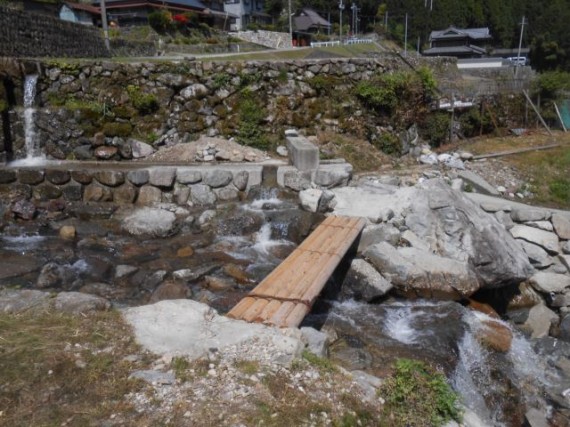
[(270, 39), (30, 35), (202, 186), (77, 100)]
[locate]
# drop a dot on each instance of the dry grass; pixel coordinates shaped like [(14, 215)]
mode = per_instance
[(57, 368), (547, 171)]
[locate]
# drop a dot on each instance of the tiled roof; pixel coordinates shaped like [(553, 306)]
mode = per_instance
[(453, 32)]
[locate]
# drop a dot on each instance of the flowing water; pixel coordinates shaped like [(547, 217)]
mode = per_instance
[(496, 386), (34, 155)]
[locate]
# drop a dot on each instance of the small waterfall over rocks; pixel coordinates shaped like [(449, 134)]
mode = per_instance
[(496, 386), (33, 152)]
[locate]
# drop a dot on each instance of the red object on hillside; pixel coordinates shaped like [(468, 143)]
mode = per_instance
[(181, 19)]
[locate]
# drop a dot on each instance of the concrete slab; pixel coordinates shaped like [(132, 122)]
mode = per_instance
[(304, 155)]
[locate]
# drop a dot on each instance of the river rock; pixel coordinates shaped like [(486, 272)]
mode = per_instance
[(162, 177), (52, 275), (315, 341), (240, 180), (140, 149), (545, 239), (188, 176), (58, 176), (538, 257), (150, 222), (564, 328), (363, 282), (123, 270), (126, 193), (373, 234), (201, 194), (237, 273), (310, 198), (78, 302), (19, 301), (477, 182), (67, 232), (217, 178), (525, 298), (550, 282), (206, 217), (226, 193), (138, 177), (170, 290), (495, 335), (196, 90), (539, 321), (561, 226), (191, 329), (24, 209), (30, 176), (455, 227), (217, 283), (185, 252), (418, 273), (329, 178), (97, 193), (149, 195), (111, 178), (106, 152), (529, 214)]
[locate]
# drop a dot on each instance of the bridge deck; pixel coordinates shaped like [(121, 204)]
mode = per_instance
[(287, 294)]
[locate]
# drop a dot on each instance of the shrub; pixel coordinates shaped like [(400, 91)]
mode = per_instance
[(472, 122), (160, 21), (418, 395), (3, 105), (436, 128), (388, 143), (550, 83), (251, 116), (145, 103)]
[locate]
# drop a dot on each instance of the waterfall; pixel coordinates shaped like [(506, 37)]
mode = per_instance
[(33, 153)]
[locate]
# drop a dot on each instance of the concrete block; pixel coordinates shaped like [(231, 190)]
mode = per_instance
[(303, 154)]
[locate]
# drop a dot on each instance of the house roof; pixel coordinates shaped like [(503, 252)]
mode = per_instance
[(171, 4), (82, 6), (308, 18), (454, 50), (454, 33)]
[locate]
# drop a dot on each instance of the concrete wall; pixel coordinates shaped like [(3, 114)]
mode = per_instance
[(270, 39), (24, 34)]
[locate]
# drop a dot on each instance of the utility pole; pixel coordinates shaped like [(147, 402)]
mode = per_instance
[(354, 13), (104, 24), (290, 23), (341, 8), (520, 46), (406, 37)]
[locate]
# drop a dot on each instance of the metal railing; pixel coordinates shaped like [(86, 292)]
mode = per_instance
[(337, 42)]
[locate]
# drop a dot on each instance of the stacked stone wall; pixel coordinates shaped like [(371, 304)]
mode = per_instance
[(30, 35), (199, 186)]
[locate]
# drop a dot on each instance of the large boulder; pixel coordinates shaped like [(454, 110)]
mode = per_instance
[(457, 228), (150, 222), (362, 281), (415, 273)]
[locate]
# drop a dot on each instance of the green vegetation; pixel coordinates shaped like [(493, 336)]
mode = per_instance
[(3, 105), (145, 103), (117, 129), (389, 92), (160, 20), (323, 364), (436, 127), (251, 117), (417, 395), (389, 144)]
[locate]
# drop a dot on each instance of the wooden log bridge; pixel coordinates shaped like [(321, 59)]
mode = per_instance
[(286, 295)]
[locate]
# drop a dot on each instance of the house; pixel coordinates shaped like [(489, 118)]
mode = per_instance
[(462, 43), (309, 21), (132, 12), (247, 12), (80, 13)]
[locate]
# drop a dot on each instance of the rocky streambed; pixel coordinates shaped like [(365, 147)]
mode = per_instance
[(478, 287)]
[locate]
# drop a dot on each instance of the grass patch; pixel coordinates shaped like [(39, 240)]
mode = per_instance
[(56, 367), (321, 363), (417, 395)]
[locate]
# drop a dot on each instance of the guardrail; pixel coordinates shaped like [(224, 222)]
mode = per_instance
[(337, 42)]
